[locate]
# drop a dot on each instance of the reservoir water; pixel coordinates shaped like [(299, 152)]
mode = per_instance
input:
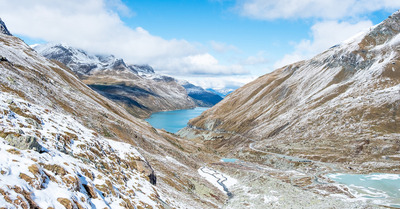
[(173, 121), (378, 188)]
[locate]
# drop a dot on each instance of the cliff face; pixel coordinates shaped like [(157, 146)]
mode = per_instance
[(340, 106), (64, 145)]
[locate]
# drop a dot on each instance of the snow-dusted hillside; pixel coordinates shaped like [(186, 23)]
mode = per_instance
[(341, 106), (49, 159), (63, 144)]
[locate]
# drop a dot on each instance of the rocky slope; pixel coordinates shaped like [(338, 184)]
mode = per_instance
[(63, 144), (135, 87), (341, 106)]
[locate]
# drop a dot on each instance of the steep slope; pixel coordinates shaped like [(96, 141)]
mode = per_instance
[(137, 88), (202, 98), (58, 142), (340, 106)]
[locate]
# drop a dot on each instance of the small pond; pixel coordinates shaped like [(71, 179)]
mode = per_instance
[(229, 160)]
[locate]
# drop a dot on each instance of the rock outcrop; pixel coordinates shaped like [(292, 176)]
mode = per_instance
[(24, 142), (3, 28)]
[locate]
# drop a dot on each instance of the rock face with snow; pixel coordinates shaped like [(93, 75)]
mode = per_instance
[(62, 145), (341, 106), (3, 28), (136, 87), (202, 98)]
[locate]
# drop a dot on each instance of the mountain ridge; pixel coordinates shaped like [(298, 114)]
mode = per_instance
[(350, 89), (136, 87)]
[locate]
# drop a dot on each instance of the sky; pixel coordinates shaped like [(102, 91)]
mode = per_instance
[(212, 43)]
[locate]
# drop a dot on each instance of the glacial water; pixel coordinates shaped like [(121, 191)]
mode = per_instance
[(229, 160), (173, 121), (378, 188)]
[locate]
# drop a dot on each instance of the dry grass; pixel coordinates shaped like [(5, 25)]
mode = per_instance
[(66, 203)]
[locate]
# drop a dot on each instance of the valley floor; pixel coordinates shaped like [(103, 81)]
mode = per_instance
[(260, 186)]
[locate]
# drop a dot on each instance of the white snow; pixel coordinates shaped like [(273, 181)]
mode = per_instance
[(214, 177), (12, 165)]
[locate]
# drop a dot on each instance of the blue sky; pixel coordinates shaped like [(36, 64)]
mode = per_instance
[(212, 43)]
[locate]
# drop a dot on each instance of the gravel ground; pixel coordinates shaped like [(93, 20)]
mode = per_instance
[(255, 190)]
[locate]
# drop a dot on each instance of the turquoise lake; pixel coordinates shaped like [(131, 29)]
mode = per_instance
[(173, 121), (378, 188)]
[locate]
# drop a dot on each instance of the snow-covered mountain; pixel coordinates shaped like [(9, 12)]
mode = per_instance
[(62, 145), (136, 87), (341, 106), (202, 98), (80, 61)]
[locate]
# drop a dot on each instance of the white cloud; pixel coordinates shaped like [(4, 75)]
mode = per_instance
[(95, 25), (199, 64), (324, 35), (258, 59), (222, 47), (120, 7), (327, 9), (219, 82)]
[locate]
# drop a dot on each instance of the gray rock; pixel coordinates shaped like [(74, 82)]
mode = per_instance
[(9, 101), (147, 170), (24, 142), (3, 28), (34, 123)]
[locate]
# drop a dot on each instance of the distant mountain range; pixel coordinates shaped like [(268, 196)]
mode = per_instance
[(221, 92), (136, 87), (202, 98)]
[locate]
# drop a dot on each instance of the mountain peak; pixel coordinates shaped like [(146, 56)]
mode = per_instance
[(3, 28)]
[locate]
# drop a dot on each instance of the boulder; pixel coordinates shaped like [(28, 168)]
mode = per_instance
[(24, 142)]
